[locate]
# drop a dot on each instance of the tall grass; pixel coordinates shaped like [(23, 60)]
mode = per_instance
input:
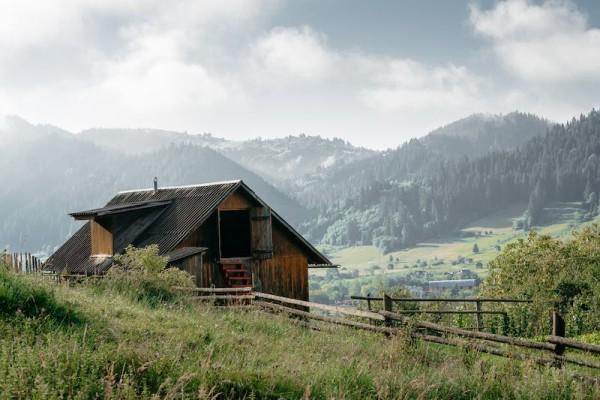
[(128, 350), (22, 298)]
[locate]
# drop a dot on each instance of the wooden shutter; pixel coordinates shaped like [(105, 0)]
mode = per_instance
[(262, 235)]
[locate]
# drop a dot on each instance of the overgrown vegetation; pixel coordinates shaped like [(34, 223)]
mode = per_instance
[(554, 274), (128, 350), (21, 298), (136, 342), (142, 275)]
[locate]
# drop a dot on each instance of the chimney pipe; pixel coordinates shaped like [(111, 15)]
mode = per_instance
[(155, 184)]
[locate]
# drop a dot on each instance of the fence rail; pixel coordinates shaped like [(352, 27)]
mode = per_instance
[(227, 296), (388, 302), (382, 322)]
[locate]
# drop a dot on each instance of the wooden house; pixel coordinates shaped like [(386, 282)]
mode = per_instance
[(222, 233)]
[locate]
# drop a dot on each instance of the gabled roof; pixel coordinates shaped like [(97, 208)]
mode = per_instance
[(182, 210)]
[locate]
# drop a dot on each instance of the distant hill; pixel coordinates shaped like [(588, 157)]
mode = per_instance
[(335, 192), (481, 133), (415, 193), (44, 179), (282, 160), (471, 137)]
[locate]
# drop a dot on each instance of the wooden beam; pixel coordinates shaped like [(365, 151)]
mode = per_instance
[(342, 310), (474, 334), (503, 353), (574, 344), (418, 299), (448, 312), (337, 321), (223, 297), (214, 290)]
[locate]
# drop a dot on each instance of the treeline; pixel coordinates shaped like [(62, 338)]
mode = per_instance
[(400, 204)]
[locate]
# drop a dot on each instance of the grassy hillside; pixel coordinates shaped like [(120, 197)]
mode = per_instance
[(94, 344), (447, 257)]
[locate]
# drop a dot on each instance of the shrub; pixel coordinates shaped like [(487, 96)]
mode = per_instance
[(552, 273), (22, 297), (142, 274)]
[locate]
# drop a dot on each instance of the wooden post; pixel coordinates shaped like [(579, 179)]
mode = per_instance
[(387, 306), (558, 329), (478, 318), (369, 301)]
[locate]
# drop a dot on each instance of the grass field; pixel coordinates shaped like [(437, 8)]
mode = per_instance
[(113, 347), (452, 254)]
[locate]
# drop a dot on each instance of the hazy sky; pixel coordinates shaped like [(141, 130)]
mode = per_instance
[(373, 72)]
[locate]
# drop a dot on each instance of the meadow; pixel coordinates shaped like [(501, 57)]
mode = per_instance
[(369, 270), (84, 341)]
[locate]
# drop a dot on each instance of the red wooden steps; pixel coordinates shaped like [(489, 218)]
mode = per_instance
[(236, 276)]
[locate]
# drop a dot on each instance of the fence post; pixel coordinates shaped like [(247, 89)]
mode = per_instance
[(387, 306), (369, 301), (558, 329), (478, 319)]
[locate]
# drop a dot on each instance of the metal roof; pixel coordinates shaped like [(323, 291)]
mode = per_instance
[(185, 208), (74, 256), (118, 208), (184, 252)]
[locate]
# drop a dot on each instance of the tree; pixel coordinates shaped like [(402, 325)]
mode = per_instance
[(475, 248), (549, 271)]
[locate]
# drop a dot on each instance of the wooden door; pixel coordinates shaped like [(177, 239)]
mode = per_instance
[(262, 234)]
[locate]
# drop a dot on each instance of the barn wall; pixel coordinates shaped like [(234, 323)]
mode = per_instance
[(286, 274), (209, 272), (206, 272), (101, 239), (236, 201)]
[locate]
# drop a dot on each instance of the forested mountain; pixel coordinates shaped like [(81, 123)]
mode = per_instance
[(394, 207), (46, 173), (470, 137), (393, 199), (283, 160)]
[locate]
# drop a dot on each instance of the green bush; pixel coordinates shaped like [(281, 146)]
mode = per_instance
[(22, 298), (554, 274), (142, 275)]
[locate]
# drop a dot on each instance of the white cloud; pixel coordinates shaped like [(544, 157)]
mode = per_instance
[(154, 77), (403, 84), (293, 53), (220, 66), (119, 62), (547, 42)]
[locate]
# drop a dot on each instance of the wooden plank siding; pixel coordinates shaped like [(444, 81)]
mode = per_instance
[(206, 272), (237, 201), (101, 239), (285, 274)]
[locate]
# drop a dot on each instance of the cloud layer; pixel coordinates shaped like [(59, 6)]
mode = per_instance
[(548, 42), (222, 66)]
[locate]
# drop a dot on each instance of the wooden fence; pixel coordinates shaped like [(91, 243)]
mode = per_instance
[(478, 312), (21, 262), (550, 351)]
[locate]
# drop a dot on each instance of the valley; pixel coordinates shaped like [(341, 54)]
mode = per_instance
[(365, 269)]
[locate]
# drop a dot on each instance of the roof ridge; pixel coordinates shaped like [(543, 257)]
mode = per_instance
[(181, 186)]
